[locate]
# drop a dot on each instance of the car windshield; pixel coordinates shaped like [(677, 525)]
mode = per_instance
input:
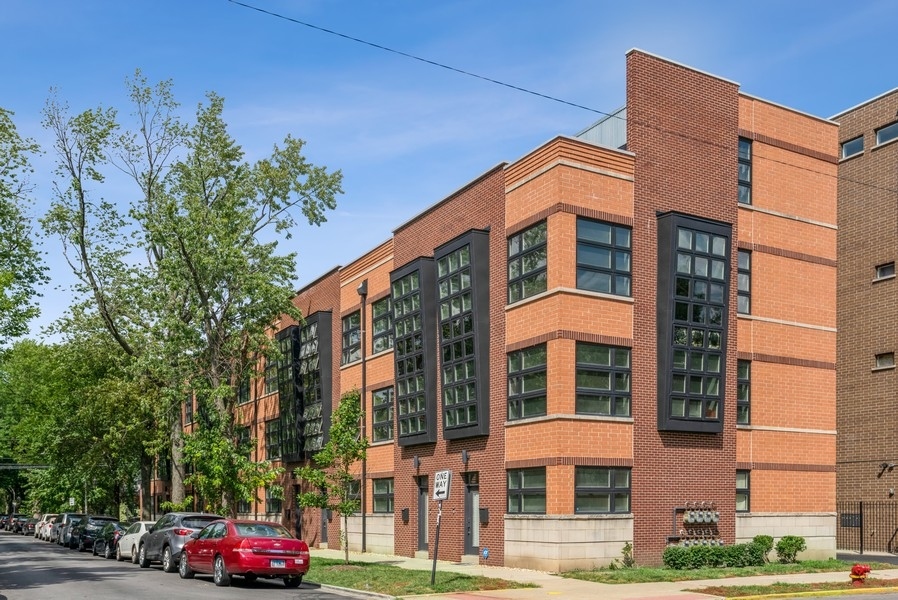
[(261, 530), (199, 521)]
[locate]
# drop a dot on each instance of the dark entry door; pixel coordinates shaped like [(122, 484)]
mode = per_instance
[(423, 512), (472, 513)]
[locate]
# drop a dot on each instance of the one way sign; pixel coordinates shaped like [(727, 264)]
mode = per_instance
[(441, 481)]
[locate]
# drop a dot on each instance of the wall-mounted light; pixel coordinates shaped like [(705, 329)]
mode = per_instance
[(883, 467), (416, 462), (464, 457)]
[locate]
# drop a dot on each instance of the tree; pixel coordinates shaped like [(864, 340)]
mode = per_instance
[(196, 314), (21, 270), (330, 477)]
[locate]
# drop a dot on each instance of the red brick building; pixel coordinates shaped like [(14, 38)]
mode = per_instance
[(628, 335)]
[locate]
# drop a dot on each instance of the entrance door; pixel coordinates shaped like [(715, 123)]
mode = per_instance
[(472, 513), (423, 512), (324, 513)]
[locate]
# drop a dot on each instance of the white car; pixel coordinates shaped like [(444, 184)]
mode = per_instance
[(130, 540), (42, 529)]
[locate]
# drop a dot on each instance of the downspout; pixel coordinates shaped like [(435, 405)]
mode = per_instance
[(363, 293)]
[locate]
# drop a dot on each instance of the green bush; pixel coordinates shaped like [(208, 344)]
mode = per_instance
[(788, 547), (697, 557), (765, 542)]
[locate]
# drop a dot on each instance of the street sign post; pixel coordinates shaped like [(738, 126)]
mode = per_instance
[(442, 481)]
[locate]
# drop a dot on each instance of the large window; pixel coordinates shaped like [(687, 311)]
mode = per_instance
[(527, 260), (352, 338), (381, 325), (382, 415), (273, 439), (887, 133), (603, 380), (411, 400), (273, 501), (243, 395), (271, 375), (527, 383), (383, 495), (527, 491), (745, 156), (603, 257), (744, 307), (743, 495), (311, 388), (743, 393), (188, 409), (601, 490)]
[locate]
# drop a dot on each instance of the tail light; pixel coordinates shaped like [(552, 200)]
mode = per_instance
[(183, 532)]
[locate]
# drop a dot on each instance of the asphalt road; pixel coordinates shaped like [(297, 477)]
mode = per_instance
[(31, 569)]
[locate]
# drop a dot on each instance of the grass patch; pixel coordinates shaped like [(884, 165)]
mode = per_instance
[(384, 578), (651, 574), (739, 591)]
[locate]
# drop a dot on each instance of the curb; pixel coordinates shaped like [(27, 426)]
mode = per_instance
[(818, 593)]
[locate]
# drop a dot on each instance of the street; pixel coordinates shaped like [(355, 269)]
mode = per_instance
[(31, 569)]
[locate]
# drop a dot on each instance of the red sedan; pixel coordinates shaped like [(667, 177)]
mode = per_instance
[(249, 548)]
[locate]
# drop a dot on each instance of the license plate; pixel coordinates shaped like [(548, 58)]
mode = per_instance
[(278, 564)]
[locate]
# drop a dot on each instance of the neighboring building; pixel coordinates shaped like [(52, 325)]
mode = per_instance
[(868, 324), (609, 336)]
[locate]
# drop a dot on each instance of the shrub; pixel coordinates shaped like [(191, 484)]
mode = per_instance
[(765, 542), (788, 547), (696, 557)]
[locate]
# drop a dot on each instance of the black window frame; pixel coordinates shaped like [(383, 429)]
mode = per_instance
[(614, 491), (743, 281), (381, 325), (462, 296), (617, 373), (188, 409), (850, 148), (351, 340), (243, 392), (518, 376), (619, 251), (743, 392), (745, 175), (518, 493), (694, 271), (273, 439), (271, 375), (525, 278), (744, 492), (382, 403), (273, 504), (380, 496)]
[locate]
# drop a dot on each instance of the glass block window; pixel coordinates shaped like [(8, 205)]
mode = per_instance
[(411, 401), (273, 501), (698, 325), (603, 380), (853, 146), (743, 393), (527, 260), (382, 415), (312, 405), (601, 490), (352, 338), (271, 375), (603, 257), (273, 439), (743, 495), (744, 307), (527, 383), (745, 155), (457, 348), (381, 325), (383, 495), (887, 133), (527, 491)]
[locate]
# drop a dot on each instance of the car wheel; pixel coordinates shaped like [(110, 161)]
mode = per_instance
[(93, 550), (293, 581), (142, 559), (81, 547), (168, 565), (134, 555), (250, 577), (184, 569), (107, 552), (118, 554), (220, 573)]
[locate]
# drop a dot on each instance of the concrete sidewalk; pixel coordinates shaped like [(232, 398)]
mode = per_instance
[(553, 586)]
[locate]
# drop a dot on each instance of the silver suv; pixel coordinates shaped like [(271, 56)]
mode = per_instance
[(164, 540), (64, 529)]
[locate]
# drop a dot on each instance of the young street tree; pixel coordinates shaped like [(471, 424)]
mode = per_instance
[(330, 478), (197, 312)]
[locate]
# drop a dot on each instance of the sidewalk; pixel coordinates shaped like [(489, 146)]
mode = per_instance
[(553, 586)]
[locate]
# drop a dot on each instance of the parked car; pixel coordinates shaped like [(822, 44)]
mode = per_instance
[(164, 540), (16, 522), (4, 519), (249, 548), (85, 532), (65, 527), (130, 540), (28, 526), (107, 539), (43, 526), (48, 529)]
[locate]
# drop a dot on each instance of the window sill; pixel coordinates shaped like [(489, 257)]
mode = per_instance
[(877, 369), (849, 157), (351, 364), (381, 443), (886, 278), (882, 145)]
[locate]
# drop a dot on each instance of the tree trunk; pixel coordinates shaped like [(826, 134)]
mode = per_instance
[(178, 492), (146, 498), (346, 537)]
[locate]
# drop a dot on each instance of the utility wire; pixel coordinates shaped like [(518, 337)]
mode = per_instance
[(538, 94)]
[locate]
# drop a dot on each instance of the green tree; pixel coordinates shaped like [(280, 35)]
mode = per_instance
[(21, 270), (196, 314), (330, 478)]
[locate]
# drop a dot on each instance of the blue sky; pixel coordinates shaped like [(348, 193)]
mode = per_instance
[(404, 133)]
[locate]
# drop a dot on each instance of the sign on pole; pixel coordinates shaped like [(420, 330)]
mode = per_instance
[(441, 481), (71, 502)]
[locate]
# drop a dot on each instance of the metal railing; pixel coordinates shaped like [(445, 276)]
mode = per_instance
[(865, 526)]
